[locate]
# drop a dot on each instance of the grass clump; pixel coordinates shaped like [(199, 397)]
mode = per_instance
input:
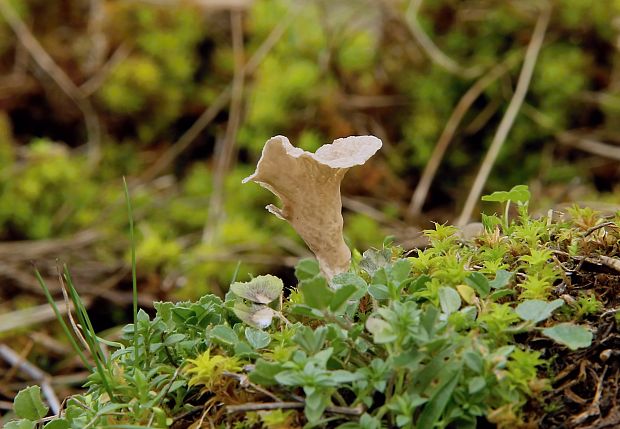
[(450, 336)]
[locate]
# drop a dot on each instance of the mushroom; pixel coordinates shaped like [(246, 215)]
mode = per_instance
[(308, 184)]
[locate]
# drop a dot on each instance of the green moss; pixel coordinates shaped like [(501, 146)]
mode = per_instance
[(358, 52)]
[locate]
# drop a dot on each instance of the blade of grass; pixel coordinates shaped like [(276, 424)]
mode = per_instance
[(64, 326), (89, 333), (76, 330), (83, 318), (134, 281), (236, 273)]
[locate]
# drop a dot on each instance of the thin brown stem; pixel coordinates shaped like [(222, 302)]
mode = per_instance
[(589, 145), (462, 107), (258, 406), (68, 306), (430, 48), (531, 56), (185, 141), (95, 82), (43, 378), (224, 152)]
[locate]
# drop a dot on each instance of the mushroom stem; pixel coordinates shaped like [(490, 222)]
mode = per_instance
[(308, 184)]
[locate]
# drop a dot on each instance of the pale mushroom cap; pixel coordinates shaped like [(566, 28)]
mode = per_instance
[(342, 153), (348, 151)]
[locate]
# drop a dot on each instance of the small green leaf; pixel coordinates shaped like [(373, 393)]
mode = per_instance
[(467, 293), (437, 403), (380, 277), (536, 310), (173, 339), (519, 193), (373, 260), (316, 293), (341, 296), (344, 279), (341, 376), (323, 356), (428, 320), (57, 424), (315, 406), (307, 269), (29, 405), (449, 299), (367, 422), (257, 339), (261, 289), (402, 420), (490, 222), (497, 196), (399, 272), (143, 316), (140, 379), (473, 361), (479, 282), (476, 384), (20, 424), (164, 310), (180, 314), (290, 378), (311, 341), (264, 372), (381, 330), (419, 283), (502, 279), (306, 311), (500, 293), (223, 334), (243, 350), (572, 336), (378, 291)]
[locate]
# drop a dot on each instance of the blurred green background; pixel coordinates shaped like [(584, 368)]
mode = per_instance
[(180, 96)]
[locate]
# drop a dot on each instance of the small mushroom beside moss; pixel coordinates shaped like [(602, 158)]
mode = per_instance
[(308, 184)]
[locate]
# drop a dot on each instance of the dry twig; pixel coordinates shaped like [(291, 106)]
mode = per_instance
[(599, 226), (225, 148), (531, 55), (358, 206), (573, 138), (37, 374), (462, 107), (220, 102), (98, 40), (117, 57), (257, 406), (32, 315), (609, 262), (589, 145), (594, 409), (16, 250), (429, 47), (187, 138)]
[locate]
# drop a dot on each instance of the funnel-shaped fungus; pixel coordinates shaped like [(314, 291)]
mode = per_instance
[(308, 184)]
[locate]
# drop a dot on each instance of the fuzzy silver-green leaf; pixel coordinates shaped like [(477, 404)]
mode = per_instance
[(261, 289), (257, 316)]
